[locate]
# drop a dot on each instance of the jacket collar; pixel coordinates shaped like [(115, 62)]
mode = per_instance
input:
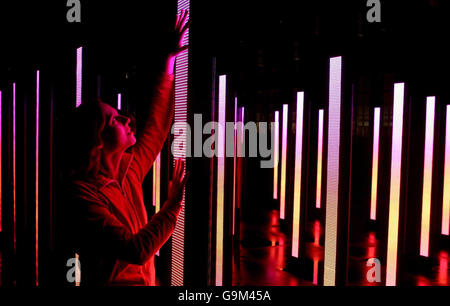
[(125, 163)]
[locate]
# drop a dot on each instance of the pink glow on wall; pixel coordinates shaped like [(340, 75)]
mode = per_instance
[(446, 198), (394, 199), (276, 154), (180, 117), (319, 160), (427, 177), (375, 150), (79, 76), (298, 174), (220, 179), (37, 179), (334, 133), (283, 161)]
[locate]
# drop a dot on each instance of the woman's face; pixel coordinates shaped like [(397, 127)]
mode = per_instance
[(117, 134)]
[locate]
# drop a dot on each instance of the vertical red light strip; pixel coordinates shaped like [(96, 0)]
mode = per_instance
[(427, 177), (180, 119), (14, 163), (220, 179), (234, 163), (376, 146), (119, 101), (319, 160), (394, 199), (446, 198), (276, 154), (334, 137), (283, 161), (298, 174), (79, 76), (37, 178)]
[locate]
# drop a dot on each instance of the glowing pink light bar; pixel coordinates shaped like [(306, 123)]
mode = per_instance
[(1, 162), (427, 177), (119, 101), (276, 154), (298, 174), (79, 76), (446, 199), (37, 179), (319, 160), (180, 116), (375, 150), (234, 163), (283, 161), (334, 129), (220, 179), (14, 162), (394, 199)]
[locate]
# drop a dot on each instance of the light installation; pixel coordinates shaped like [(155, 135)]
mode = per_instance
[(375, 152), (319, 160), (37, 180), (427, 177), (276, 154), (1, 162), (79, 76), (234, 163), (157, 185), (220, 179), (446, 198), (14, 163), (119, 101), (283, 161), (394, 197), (180, 117), (334, 128), (298, 174)]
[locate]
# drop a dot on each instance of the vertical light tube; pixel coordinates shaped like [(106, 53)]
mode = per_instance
[(220, 179), (375, 150), (14, 163), (1, 162), (180, 117), (446, 199), (119, 101), (394, 198), (283, 161), (157, 185), (79, 76), (427, 177), (334, 129), (234, 163), (319, 160), (37, 179), (276, 154), (298, 174)]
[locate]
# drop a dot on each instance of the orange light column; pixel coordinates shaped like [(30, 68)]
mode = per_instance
[(375, 151)]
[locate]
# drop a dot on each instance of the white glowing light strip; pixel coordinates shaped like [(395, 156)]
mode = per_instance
[(14, 162), (234, 163), (220, 179), (283, 161), (427, 177), (37, 179), (276, 153), (181, 103), (375, 150), (298, 174), (334, 128), (119, 101), (319, 160), (445, 230), (394, 199), (157, 185), (79, 75)]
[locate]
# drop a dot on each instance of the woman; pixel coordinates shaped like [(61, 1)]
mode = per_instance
[(109, 227)]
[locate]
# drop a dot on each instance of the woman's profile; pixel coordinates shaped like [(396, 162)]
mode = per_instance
[(108, 222)]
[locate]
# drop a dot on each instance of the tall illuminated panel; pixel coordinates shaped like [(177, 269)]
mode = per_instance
[(334, 137), (180, 118), (446, 199), (319, 160), (276, 154), (79, 76), (37, 180), (375, 152), (298, 174), (119, 101), (427, 177), (157, 185), (394, 197), (283, 161)]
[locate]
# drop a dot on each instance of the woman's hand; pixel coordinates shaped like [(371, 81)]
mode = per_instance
[(181, 26), (176, 186)]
